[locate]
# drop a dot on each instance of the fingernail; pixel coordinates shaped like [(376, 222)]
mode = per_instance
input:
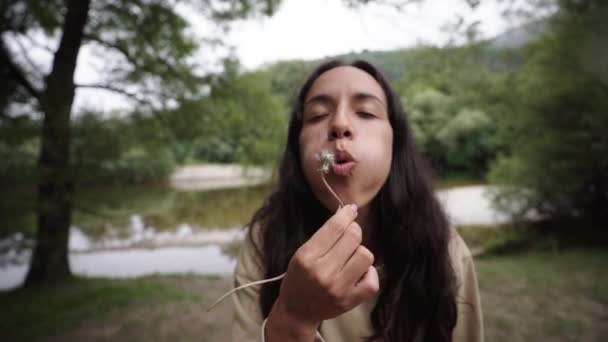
[(354, 207)]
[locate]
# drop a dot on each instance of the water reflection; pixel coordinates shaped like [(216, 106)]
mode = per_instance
[(140, 230), (110, 211), (135, 231), (130, 263), (141, 236)]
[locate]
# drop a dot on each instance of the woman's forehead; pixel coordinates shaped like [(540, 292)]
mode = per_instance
[(345, 80)]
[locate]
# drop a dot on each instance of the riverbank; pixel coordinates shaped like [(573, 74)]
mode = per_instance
[(201, 177), (137, 231), (525, 297)]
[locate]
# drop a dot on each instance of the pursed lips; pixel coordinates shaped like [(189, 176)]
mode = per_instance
[(344, 163)]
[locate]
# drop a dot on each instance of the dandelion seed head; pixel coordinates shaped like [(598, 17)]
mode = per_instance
[(327, 158)]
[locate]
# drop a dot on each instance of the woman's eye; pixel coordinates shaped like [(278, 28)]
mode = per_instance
[(366, 115), (316, 117)]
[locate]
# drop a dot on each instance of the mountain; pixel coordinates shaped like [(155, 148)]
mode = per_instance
[(519, 36)]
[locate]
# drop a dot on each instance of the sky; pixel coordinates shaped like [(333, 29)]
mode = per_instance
[(301, 29), (318, 28)]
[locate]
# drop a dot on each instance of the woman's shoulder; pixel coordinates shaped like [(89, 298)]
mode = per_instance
[(249, 261), (459, 252)]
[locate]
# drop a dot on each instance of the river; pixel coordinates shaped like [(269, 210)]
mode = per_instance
[(188, 226)]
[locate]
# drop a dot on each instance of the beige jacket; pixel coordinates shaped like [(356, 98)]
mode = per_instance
[(249, 324)]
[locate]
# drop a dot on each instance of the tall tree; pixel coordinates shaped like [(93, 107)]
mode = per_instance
[(151, 38)]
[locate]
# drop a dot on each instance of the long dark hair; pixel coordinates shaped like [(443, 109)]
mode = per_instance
[(417, 292)]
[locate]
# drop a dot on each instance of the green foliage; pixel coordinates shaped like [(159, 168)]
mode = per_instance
[(18, 162), (458, 140), (240, 120), (453, 96), (288, 77), (226, 10), (557, 162), (147, 47), (152, 42), (19, 145), (247, 122), (109, 151)]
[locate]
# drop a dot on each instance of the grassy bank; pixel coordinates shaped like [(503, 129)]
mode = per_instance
[(545, 296), (35, 314), (531, 296)]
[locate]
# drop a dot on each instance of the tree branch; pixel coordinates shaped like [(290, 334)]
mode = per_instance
[(129, 57), (16, 71), (116, 90), (106, 44), (398, 5), (37, 44), (35, 68)]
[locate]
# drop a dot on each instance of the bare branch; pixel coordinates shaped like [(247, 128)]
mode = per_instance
[(128, 56), (109, 88), (399, 5), (38, 44), (116, 90), (26, 56), (106, 44), (16, 71)]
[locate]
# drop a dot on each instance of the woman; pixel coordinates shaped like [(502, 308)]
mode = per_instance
[(386, 266)]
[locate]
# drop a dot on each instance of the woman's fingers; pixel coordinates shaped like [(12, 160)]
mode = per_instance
[(344, 248), (355, 268), (325, 238), (332, 271), (367, 286)]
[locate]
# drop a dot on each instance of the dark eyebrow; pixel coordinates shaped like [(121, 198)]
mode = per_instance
[(368, 96), (326, 99), (322, 98)]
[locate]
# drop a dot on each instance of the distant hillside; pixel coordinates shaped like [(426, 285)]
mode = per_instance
[(397, 64), (519, 36)]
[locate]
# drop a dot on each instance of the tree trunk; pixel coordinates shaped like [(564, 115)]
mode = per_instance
[(49, 264)]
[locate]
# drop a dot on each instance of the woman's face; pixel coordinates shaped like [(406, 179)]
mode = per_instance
[(345, 111)]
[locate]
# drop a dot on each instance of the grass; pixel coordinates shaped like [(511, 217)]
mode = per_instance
[(478, 237), (539, 294), (542, 281), (534, 236), (545, 295), (28, 314)]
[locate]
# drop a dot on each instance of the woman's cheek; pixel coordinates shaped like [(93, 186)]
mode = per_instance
[(310, 163), (379, 160), (311, 143)]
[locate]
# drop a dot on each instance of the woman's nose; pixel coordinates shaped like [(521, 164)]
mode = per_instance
[(340, 126)]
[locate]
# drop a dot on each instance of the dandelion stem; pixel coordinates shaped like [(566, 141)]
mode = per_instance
[(331, 190), (244, 286)]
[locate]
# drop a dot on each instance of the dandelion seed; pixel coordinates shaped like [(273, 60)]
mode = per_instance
[(327, 158)]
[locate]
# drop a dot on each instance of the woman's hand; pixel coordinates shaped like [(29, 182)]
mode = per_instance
[(328, 275)]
